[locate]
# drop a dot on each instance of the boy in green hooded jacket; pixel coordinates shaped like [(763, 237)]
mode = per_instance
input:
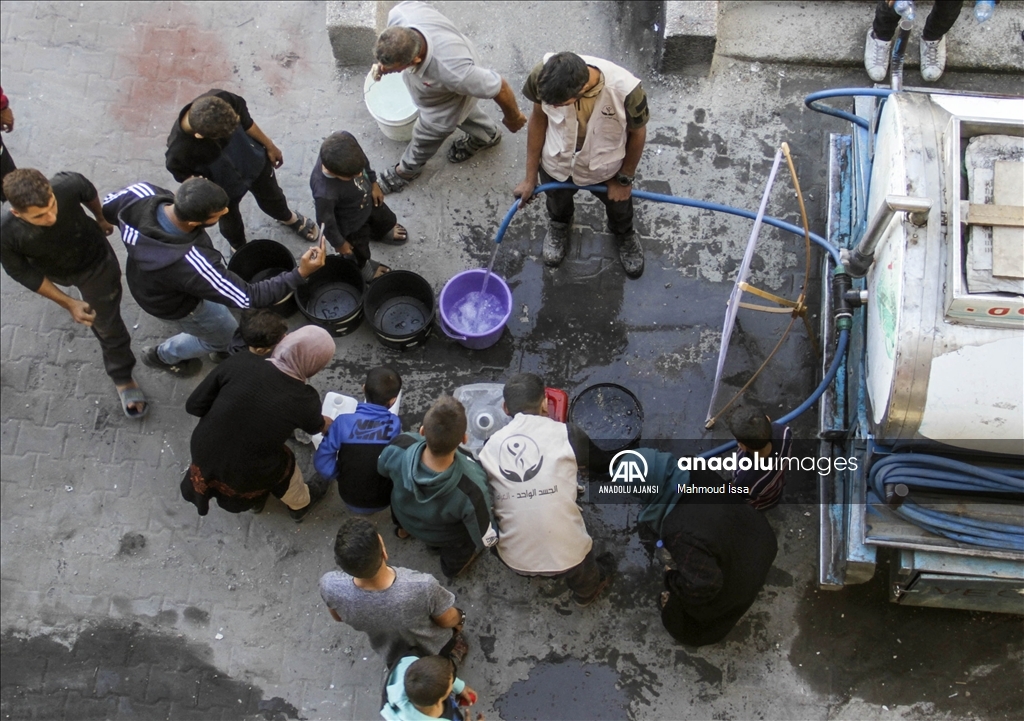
[(440, 493)]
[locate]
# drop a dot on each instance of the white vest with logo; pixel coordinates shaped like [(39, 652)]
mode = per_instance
[(604, 146), (531, 469)]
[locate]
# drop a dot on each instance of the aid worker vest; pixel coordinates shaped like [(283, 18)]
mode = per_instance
[(604, 147), (531, 471)]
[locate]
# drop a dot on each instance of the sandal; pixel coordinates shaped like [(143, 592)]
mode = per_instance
[(129, 396), (374, 270), (391, 182), (465, 148), (304, 227), (391, 236)]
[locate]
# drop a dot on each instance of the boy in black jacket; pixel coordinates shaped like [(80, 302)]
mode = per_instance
[(174, 272), (350, 204)]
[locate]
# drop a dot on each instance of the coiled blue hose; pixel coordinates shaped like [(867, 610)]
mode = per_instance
[(927, 472), (844, 336)]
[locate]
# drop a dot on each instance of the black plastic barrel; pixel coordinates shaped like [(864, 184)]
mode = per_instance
[(610, 414), (261, 259), (400, 309), (333, 296)]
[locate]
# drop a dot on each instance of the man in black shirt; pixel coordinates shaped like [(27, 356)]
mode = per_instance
[(216, 138), (48, 240)]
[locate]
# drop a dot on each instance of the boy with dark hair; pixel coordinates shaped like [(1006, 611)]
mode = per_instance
[(216, 138), (531, 467), (350, 204), (401, 611), (48, 240), (440, 493), (350, 449), (175, 274), (259, 330), (765, 443), (426, 687)]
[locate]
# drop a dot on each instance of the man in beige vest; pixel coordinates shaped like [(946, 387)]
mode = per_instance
[(531, 470), (588, 127)]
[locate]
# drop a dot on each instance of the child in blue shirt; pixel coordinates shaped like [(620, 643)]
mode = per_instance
[(426, 688), (352, 445)]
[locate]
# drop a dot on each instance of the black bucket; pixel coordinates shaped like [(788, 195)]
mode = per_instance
[(261, 259), (333, 296), (610, 414), (400, 308)]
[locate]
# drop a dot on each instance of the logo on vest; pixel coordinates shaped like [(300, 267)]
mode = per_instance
[(628, 469), (519, 459), (608, 111)]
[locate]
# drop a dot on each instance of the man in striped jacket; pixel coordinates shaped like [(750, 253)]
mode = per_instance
[(175, 274)]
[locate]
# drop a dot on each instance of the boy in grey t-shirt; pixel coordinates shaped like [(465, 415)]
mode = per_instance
[(402, 611)]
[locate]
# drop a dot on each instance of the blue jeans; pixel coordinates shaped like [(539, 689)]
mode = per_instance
[(206, 329)]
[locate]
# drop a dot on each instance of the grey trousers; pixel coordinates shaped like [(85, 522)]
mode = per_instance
[(433, 129)]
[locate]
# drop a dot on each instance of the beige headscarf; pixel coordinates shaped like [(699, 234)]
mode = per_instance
[(304, 353)]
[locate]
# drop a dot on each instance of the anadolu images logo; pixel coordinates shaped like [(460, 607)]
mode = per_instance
[(628, 470)]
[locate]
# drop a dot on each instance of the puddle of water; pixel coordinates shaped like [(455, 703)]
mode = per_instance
[(565, 691)]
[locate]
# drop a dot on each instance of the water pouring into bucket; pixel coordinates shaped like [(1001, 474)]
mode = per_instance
[(474, 317)]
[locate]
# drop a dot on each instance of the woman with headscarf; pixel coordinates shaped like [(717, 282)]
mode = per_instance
[(248, 407)]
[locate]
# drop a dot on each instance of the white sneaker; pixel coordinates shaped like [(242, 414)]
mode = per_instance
[(876, 56), (933, 58)]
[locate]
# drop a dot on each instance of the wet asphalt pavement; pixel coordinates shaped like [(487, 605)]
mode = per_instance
[(119, 602)]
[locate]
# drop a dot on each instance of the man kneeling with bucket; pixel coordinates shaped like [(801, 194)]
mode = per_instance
[(531, 468), (721, 549)]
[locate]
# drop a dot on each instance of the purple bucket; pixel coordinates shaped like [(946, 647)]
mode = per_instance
[(461, 285)]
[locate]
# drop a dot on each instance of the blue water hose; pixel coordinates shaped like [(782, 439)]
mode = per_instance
[(936, 473), (811, 101), (674, 200), (844, 335)]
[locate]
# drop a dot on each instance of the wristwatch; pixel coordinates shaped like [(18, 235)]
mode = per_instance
[(625, 180)]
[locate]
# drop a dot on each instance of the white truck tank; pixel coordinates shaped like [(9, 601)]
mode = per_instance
[(945, 342)]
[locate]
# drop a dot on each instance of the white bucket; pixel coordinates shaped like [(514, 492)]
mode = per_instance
[(390, 105), (335, 404)]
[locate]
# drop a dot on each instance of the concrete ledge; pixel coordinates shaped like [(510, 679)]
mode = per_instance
[(816, 32), (353, 28), (690, 35)]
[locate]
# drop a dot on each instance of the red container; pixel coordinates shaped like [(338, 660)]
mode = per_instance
[(558, 404)]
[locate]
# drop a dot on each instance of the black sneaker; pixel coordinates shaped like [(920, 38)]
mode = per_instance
[(218, 357), (260, 504), (182, 369), (631, 255), (317, 491)]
